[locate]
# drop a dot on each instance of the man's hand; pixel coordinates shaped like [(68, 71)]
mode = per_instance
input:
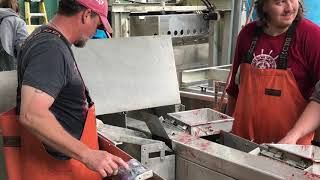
[(36, 117), (103, 162)]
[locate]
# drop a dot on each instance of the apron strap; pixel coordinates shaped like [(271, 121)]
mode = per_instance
[(249, 56), (283, 57), (53, 31)]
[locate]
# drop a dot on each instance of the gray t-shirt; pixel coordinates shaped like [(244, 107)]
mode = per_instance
[(46, 63)]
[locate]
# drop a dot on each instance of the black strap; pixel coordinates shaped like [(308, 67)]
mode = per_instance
[(11, 141), (283, 57), (54, 31), (253, 45), (48, 29)]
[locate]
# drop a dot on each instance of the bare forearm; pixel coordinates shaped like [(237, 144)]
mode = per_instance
[(308, 122), (45, 127), (38, 119)]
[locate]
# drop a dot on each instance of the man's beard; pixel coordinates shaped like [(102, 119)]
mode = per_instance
[(80, 43)]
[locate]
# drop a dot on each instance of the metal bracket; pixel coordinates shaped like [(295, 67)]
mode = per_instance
[(285, 157), (214, 16), (149, 151)]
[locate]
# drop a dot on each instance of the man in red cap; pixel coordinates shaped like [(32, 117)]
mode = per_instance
[(58, 126)]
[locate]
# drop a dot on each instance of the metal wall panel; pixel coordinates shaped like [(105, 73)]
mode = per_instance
[(178, 25), (8, 90), (126, 74), (187, 170)]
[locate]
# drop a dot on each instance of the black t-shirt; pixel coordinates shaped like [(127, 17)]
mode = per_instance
[(46, 63)]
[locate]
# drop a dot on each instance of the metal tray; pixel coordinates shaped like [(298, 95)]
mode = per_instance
[(202, 122)]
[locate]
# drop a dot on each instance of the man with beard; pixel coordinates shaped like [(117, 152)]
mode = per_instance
[(58, 131), (275, 69)]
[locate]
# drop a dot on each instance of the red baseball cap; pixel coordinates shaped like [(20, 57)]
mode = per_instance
[(101, 8)]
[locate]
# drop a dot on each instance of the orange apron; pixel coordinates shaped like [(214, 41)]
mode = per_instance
[(269, 101), (32, 160)]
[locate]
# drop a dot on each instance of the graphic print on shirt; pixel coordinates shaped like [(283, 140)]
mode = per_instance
[(264, 61)]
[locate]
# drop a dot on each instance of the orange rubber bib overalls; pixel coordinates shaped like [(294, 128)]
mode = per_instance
[(269, 101), (26, 157)]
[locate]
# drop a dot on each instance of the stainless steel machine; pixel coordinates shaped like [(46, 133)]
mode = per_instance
[(203, 37), (141, 87)]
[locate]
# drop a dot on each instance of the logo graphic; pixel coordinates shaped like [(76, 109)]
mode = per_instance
[(264, 61), (100, 2)]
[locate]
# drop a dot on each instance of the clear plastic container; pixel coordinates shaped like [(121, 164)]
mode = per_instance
[(136, 171)]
